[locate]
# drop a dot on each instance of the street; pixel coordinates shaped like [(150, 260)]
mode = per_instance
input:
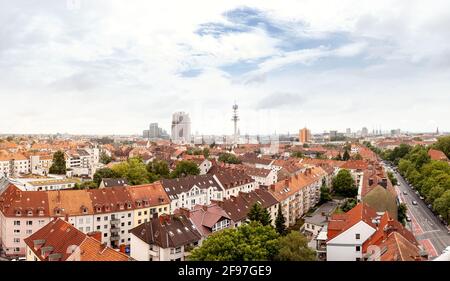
[(426, 227)]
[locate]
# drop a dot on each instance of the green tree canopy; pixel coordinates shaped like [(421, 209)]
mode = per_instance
[(392, 178), (134, 170), (185, 168), (401, 213), (294, 247), (280, 222), (248, 242), (104, 173), (229, 158), (259, 214), (104, 158), (325, 194), (346, 155), (344, 184), (159, 168), (59, 164)]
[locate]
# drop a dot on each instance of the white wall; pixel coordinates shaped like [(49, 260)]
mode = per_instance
[(139, 250)]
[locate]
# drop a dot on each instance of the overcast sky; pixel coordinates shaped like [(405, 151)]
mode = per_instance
[(112, 67)]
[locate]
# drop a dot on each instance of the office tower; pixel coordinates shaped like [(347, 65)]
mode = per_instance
[(304, 135), (181, 128)]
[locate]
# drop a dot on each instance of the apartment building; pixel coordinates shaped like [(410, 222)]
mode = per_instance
[(164, 238), (13, 164), (110, 211), (60, 241)]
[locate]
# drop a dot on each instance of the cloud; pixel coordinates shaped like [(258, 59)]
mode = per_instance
[(279, 100)]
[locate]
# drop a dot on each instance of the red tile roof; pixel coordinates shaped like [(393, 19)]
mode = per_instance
[(437, 155)]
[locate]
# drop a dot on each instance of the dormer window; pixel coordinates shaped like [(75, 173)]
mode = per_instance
[(85, 210), (99, 209), (107, 208), (129, 205), (29, 212), (18, 213), (58, 211)]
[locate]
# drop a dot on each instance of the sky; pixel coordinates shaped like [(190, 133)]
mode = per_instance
[(113, 67)]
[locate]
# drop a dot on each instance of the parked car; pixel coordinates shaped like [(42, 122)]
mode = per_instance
[(405, 193), (414, 202), (408, 218), (421, 198)]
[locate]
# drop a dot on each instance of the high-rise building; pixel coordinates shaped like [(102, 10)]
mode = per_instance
[(181, 128), (155, 132), (348, 131), (235, 119), (304, 135), (364, 132), (333, 135)]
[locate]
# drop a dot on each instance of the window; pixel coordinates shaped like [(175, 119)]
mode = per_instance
[(29, 231), (139, 221), (129, 215), (358, 248), (122, 224), (358, 236), (98, 218), (105, 234), (16, 231), (129, 223), (16, 240), (80, 220), (105, 218), (145, 212), (81, 229), (139, 213), (105, 226), (16, 222), (358, 259), (88, 228), (98, 227)]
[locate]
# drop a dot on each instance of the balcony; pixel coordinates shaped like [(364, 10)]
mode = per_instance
[(115, 221), (115, 237), (115, 230)]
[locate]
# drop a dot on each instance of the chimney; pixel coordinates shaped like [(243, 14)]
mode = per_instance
[(272, 187), (370, 181), (185, 211), (384, 182), (205, 208), (97, 235), (286, 182)]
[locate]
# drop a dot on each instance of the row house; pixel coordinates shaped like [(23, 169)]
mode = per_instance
[(110, 211), (186, 192), (237, 207), (164, 238), (13, 164), (207, 219), (60, 241), (233, 181), (298, 193), (362, 234)]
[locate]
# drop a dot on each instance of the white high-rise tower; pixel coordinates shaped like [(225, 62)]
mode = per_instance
[(181, 128)]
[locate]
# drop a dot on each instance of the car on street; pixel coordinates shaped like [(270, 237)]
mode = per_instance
[(408, 218), (414, 202), (421, 198), (405, 193)]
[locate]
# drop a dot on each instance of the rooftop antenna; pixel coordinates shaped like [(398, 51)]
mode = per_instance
[(235, 119)]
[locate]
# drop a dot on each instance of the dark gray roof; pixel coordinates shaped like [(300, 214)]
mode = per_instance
[(173, 187), (167, 231), (107, 182)]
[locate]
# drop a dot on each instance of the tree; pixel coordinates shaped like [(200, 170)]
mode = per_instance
[(325, 195), (442, 205), (159, 168), (344, 184), (229, 158), (104, 173), (280, 222), (185, 168), (259, 214), (206, 152), (294, 247), (338, 157), (349, 204), (104, 158), (346, 155), (86, 185), (134, 170), (248, 242), (401, 213), (297, 154), (357, 157), (59, 164), (392, 178)]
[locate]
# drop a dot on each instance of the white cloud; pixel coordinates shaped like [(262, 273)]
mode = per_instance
[(114, 67)]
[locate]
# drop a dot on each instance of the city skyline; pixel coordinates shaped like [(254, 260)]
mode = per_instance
[(111, 68)]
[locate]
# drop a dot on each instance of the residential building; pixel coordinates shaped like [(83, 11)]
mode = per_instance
[(107, 182), (60, 241), (164, 238)]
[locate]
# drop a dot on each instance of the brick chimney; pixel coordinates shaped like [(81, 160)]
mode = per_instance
[(383, 182), (97, 235), (370, 181), (272, 187)]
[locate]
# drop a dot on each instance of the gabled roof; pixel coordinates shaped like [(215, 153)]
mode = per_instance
[(437, 155), (173, 187), (59, 239), (205, 217), (167, 231), (108, 182), (341, 222)]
